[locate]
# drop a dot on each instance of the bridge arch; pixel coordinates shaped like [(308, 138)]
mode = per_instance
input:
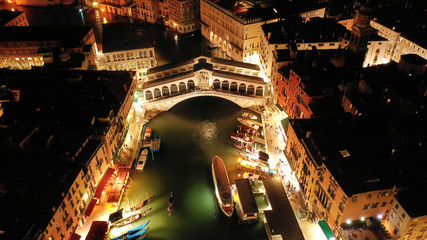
[(148, 95), (259, 91), (182, 87), (251, 90), (164, 104), (190, 85), (174, 89), (157, 93), (165, 91), (217, 84), (233, 87), (242, 88), (225, 85)]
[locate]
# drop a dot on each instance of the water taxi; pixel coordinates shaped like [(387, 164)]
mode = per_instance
[(222, 186)]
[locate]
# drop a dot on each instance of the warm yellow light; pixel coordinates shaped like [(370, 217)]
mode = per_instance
[(85, 196), (95, 4), (102, 10), (105, 21), (239, 160), (13, 9), (362, 218), (348, 221), (10, 1)]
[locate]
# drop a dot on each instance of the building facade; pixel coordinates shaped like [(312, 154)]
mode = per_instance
[(134, 53), (233, 29), (183, 15)]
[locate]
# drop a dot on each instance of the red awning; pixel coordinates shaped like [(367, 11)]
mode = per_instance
[(117, 187), (98, 230), (90, 207), (75, 236), (103, 182)]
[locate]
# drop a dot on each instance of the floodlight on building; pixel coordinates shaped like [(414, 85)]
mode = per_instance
[(380, 216), (362, 218), (348, 221), (85, 196)]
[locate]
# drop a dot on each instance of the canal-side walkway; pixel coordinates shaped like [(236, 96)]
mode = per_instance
[(275, 138)]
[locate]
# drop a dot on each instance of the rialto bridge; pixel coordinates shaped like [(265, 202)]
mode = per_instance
[(167, 85)]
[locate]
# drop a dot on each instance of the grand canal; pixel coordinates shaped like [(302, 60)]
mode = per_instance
[(192, 133)]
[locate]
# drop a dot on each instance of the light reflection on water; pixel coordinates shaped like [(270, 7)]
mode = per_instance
[(208, 130)]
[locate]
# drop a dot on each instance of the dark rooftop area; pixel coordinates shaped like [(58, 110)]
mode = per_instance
[(248, 11), (45, 33), (7, 16), (354, 149), (45, 137), (123, 36)]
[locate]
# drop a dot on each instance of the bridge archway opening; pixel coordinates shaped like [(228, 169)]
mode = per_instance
[(233, 87), (174, 89), (225, 85), (216, 84), (157, 93), (165, 91), (251, 90), (259, 91), (182, 87), (148, 95), (242, 88), (190, 84)]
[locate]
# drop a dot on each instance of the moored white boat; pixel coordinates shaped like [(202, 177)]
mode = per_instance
[(222, 186)]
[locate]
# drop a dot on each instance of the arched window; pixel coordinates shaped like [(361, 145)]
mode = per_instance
[(190, 84), (157, 93), (148, 95), (242, 88), (182, 87), (165, 91), (251, 89), (225, 85), (174, 88), (233, 87), (259, 91), (217, 84)]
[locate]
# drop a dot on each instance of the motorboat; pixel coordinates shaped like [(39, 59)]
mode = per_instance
[(222, 186), (249, 123), (248, 130), (147, 135), (141, 204), (242, 137), (142, 160)]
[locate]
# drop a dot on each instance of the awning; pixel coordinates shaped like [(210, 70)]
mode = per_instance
[(90, 207), (103, 182), (326, 230), (279, 107), (285, 124), (75, 236)]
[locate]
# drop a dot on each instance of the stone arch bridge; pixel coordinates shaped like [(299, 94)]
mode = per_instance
[(170, 84)]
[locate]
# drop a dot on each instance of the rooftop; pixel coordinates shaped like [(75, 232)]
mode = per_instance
[(365, 165), (123, 36), (246, 10), (45, 138), (7, 16), (315, 30), (45, 33)]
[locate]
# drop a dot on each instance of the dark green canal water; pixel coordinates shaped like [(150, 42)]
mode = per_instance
[(192, 133)]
